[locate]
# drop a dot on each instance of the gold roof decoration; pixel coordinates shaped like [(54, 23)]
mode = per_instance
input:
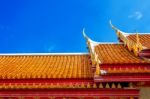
[(136, 47), (94, 57)]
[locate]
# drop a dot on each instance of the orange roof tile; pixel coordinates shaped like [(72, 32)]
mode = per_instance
[(144, 39), (116, 54), (48, 66)]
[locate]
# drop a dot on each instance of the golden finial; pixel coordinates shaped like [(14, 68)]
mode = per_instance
[(97, 62), (137, 38), (138, 45), (97, 69)]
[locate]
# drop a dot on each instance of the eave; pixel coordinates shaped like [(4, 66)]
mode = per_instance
[(122, 78), (72, 93)]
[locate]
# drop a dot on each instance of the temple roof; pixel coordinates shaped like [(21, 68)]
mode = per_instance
[(44, 66), (116, 54), (138, 43), (144, 39)]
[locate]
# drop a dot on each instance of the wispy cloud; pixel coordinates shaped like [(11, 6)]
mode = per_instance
[(136, 15)]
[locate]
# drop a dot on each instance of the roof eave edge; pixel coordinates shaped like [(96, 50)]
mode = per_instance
[(39, 54)]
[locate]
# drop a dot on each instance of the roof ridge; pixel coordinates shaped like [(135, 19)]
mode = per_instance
[(110, 43), (132, 33)]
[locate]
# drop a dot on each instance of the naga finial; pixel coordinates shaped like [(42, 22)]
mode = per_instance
[(112, 26), (84, 34)]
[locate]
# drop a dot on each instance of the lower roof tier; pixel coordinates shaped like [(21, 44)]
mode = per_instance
[(44, 66)]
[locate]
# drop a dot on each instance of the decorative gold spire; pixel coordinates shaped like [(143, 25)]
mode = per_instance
[(137, 38), (94, 56), (136, 46)]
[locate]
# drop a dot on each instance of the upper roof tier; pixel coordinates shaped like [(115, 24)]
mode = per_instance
[(129, 52), (144, 39), (136, 42), (112, 53), (116, 54), (44, 66)]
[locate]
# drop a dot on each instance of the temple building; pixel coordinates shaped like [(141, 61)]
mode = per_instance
[(108, 71)]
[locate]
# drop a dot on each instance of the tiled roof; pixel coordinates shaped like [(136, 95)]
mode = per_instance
[(116, 54), (46, 66), (144, 39)]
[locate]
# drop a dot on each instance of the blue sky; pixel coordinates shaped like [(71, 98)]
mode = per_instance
[(31, 26)]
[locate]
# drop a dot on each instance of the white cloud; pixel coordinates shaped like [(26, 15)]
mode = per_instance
[(136, 15)]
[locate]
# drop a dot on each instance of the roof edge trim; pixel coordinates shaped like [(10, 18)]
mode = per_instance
[(39, 54), (110, 43), (132, 33)]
